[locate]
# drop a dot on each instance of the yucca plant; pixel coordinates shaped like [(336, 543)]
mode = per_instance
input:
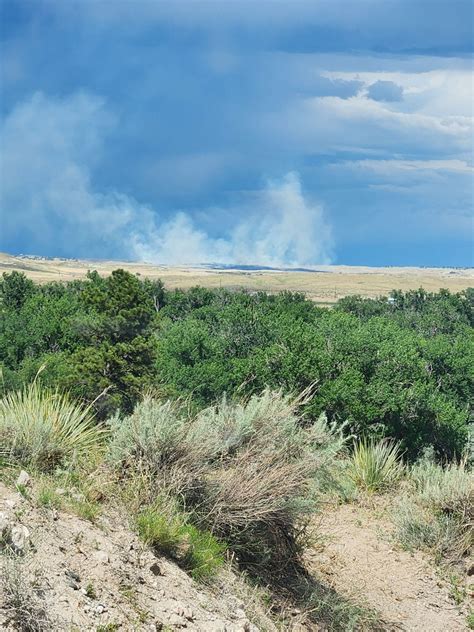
[(376, 465), (43, 429)]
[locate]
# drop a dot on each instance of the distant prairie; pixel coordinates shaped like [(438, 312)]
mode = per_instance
[(323, 284)]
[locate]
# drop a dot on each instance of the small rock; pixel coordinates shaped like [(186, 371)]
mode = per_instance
[(239, 614), (73, 584), (174, 619), (155, 569), (20, 537), (72, 575), (23, 479), (5, 525), (60, 491), (102, 556), (10, 503), (187, 613), (100, 608), (78, 497)]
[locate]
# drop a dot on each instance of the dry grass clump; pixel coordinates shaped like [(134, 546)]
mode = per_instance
[(439, 512), (42, 429), (24, 608), (244, 471), (258, 503)]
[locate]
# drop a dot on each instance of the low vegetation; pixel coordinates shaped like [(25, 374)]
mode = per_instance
[(43, 429), (169, 533), (376, 466), (181, 408), (247, 472), (24, 607), (437, 511)]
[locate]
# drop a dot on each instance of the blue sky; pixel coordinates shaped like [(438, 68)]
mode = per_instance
[(273, 132)]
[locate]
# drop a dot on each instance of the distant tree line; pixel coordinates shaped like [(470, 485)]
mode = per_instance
[(399, 366)]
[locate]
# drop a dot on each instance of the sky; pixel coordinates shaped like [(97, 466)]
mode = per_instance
[(282, 133)]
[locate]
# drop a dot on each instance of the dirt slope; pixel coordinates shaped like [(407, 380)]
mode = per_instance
[(100, 577), (359, 560), (89, 576)]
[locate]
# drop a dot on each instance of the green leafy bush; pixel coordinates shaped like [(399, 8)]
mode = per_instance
[(402, 368)]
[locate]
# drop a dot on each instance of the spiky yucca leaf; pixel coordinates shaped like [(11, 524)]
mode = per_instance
[(376, 466), (44, 429)]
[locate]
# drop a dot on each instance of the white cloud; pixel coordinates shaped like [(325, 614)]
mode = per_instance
[(49, 147), (388, 167), (358, 124)]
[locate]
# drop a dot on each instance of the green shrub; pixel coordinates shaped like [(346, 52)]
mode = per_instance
[(376, 466), (248, 472), (204, 553), (43, 429), (470, 620), (48, 497)]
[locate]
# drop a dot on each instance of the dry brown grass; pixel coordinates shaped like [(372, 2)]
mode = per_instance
[(324, 286), (24, 608)]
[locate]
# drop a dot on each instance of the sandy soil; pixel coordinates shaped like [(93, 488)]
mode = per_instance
[(92, 576), (324, 285), (359, 560)]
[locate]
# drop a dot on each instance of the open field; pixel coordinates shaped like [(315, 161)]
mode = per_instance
[(324, 285)]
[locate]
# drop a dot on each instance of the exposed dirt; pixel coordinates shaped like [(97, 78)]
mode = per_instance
[(359, 560), (97, 575), (90, 576)]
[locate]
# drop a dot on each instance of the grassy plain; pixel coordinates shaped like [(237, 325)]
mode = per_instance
[(324, 285)]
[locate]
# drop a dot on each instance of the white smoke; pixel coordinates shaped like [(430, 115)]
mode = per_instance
[(49, 204), (279, 228)]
